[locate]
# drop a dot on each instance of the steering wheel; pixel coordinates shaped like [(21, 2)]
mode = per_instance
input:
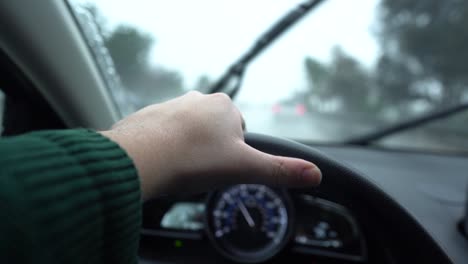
[(406, 233)]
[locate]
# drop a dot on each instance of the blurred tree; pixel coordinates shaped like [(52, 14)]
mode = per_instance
[(394, 78), (130, 50), (157, 84), (350, 80), (424, 40), (203, 84), (344, 79), (317, 75)]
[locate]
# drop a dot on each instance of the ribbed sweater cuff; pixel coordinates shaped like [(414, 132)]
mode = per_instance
[(82, 193)]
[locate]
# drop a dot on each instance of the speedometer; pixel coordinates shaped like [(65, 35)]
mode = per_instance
[(249, 222)]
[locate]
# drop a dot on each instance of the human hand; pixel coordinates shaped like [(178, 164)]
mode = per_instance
[(195, 143)]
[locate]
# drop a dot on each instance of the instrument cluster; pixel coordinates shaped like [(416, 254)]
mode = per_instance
[(252, 223)]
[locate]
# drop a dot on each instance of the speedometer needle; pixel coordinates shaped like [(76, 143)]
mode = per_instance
[(246, 214)]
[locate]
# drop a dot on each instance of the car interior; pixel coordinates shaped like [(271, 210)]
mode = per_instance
[(374, 205)]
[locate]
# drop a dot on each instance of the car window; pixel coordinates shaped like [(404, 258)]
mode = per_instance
[(348, 69)]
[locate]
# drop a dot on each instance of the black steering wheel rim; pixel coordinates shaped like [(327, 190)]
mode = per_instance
[(342, 178)]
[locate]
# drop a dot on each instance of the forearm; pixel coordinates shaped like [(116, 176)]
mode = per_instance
[(72, 195)]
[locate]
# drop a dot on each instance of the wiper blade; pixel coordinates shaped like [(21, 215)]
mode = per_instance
[(233, 76), (406, 125)]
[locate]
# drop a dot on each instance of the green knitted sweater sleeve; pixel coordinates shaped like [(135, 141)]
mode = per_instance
[(69, 196)]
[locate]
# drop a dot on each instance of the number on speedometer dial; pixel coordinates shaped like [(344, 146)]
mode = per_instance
[(249, 222)]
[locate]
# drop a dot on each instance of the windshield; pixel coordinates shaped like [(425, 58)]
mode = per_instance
[(347, 69)]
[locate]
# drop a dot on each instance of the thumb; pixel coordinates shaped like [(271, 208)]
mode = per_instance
[(280, 171)]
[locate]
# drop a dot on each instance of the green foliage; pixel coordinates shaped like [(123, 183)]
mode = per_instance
[(393, 78), (350, 80), (424, 52), (203, 84), (344, 79), (317, 75), (422, 40), (130, 49)]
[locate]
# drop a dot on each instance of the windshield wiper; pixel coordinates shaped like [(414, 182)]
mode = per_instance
[(233, 76), (406, 125)]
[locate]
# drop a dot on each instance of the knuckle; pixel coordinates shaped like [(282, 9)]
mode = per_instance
[(222, 97), (193, 92)]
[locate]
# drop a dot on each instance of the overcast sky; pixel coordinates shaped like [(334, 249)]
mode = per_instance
[(205, 36)]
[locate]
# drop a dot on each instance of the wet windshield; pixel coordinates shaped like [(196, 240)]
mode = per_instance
[(347, 69)]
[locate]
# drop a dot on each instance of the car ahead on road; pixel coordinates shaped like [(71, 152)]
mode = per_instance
[(390, 137)]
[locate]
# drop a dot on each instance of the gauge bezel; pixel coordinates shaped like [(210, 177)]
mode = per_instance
[(238, 255)]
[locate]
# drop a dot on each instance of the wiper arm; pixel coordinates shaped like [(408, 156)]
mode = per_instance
[(424, 119), (233, 76)]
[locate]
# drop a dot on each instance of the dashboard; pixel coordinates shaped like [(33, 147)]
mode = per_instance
[(251, 223), (316, 225)]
